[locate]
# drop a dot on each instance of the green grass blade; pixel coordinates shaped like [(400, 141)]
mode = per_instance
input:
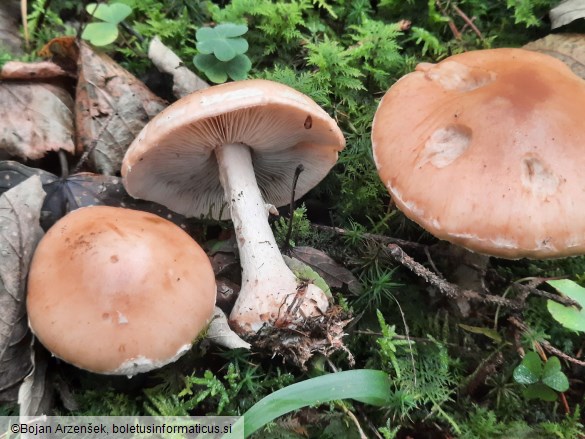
[(365, 385)]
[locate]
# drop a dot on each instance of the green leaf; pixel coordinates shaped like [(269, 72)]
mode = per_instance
[(490, 333), (100, 34), (568, 316), (553, 376), (365, 385), (113, 13), (539, 391), (530, 370), (238, 67), (212, 67), (231, 30)]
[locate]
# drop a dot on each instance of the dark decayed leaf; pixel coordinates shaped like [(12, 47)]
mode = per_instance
[(20, 208), (34, 119), (569, 48), (336, 275), (112, 107), (81, 190)]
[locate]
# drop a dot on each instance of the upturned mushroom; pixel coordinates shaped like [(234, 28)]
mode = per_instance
[(485, 150), (238, 145), (118, 291)]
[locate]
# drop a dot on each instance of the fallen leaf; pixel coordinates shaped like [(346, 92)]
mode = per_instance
[(35, 392), (220, 333), (20, 209), (35, 119), (566, 12), (112, 107), (569, 48), (165, 60), (335, 274), (18, 70), (81, 190)]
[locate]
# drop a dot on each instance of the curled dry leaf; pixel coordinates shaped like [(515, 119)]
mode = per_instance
[(112, 107), (220, 333), (81, 190), (18, 70), (336, 275), (569, 48), (184, 80), (20, 232), (35, 119), (566, 12)]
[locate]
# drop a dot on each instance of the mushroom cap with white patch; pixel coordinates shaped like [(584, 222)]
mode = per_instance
[(172, 160), (485, 149), (119, 291)]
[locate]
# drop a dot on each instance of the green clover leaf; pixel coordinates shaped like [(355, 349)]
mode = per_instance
[(530, 370), (222, 41), (553, 377), (218, 71)]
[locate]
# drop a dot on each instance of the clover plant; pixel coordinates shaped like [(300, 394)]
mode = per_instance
[(222, 52)]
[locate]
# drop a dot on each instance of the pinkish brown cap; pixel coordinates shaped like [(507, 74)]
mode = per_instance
[(119, 291), (485, 149), (172, 160)]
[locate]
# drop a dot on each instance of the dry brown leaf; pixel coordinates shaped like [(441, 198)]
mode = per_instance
[(112, 107), (17, 70), (336, 275), (569, 48), (20, 231), (35, 119), (566, 12)]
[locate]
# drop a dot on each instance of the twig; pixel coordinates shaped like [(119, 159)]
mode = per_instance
[(381, 239), (545, 344), (448, 289), (287, 246), (486, 368), (563, 300), (467, 20)]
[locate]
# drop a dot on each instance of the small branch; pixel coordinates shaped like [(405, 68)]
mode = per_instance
[(468, 20), (563, 300), (287, 246), (380, 239), (448, 289), (545, 344), (486, 368)]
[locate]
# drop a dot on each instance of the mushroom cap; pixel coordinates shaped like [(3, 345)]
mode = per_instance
[(118, 291), (172, 160), (485, 150)]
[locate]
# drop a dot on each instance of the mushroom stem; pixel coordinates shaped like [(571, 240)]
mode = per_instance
[(270, 291)]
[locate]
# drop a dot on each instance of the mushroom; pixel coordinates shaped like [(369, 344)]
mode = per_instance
[(239, 144), (485, 150), (118, 291)]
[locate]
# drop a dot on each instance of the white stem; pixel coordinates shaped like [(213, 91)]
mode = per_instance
[(268, 285)]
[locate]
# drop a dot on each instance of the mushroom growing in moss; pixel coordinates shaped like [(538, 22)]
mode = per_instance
[(238, 145), (119, 291), (485, 150)]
